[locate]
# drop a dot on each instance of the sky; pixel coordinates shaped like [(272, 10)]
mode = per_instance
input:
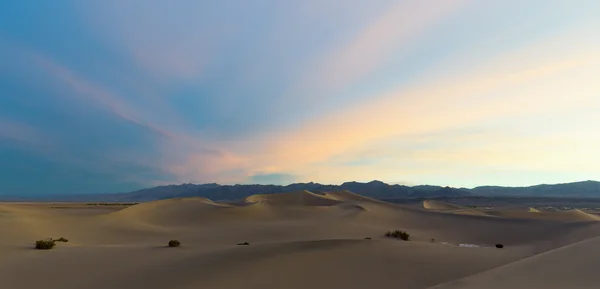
[(113, 96)]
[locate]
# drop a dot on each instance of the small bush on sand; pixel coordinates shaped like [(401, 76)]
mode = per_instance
[(398, 235), (174, 243), (368, 238), (244, 244), (45, 244), (499, 246), (61, 239)]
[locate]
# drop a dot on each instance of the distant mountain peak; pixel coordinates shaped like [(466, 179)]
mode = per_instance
[(374, 189)]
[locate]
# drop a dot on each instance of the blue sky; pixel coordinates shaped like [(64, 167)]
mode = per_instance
[(111, 96)]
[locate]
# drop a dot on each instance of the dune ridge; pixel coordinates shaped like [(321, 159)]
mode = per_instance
[(302, 198)]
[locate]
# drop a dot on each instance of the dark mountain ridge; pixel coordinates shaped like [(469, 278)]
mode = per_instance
[(374, 189)]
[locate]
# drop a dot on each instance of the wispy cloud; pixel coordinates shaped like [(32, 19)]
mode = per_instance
[(99, 95), (392, 34), (22, 133), (168, 40)]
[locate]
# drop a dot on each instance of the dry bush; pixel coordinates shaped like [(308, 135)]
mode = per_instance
[(398, 235), (45, 244)]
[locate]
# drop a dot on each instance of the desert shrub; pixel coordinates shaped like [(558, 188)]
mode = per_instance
[(174, 243), (244, 244), (432, 240), (499, 246), (368, 238), (61, 239), (398, 235), (45, 244)]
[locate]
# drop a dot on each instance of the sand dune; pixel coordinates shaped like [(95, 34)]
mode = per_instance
[(570, 215), (580, 215), (531, 213), (320, 235), (303, 198), (451, 208)]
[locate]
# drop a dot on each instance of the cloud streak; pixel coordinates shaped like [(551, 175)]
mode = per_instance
[(22, 133), (392, 34), (99, 95)]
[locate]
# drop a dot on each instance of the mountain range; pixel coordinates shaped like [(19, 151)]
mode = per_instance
[(375, 189)]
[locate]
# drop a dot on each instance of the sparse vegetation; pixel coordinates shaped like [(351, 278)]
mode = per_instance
[(45, 244), (174, 243), (398, 235), (368, 238), (244, 244), (499, 246), (432, 240), (61, 239)]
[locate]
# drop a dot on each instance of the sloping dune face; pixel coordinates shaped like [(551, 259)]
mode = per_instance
[(573, 266), (303, 198), (17, 222)]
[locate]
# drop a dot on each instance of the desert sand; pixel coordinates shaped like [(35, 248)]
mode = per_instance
[(297, 240)]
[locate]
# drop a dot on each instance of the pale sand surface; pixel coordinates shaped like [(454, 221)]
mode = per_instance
[(297, 240)]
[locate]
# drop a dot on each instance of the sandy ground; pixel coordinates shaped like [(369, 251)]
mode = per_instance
[(297, 240)]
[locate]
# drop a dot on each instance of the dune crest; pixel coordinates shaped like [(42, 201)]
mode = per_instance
[(302, 198), (580, 215), (171, 211), (451, 208), (347, 196), (441, 206)]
